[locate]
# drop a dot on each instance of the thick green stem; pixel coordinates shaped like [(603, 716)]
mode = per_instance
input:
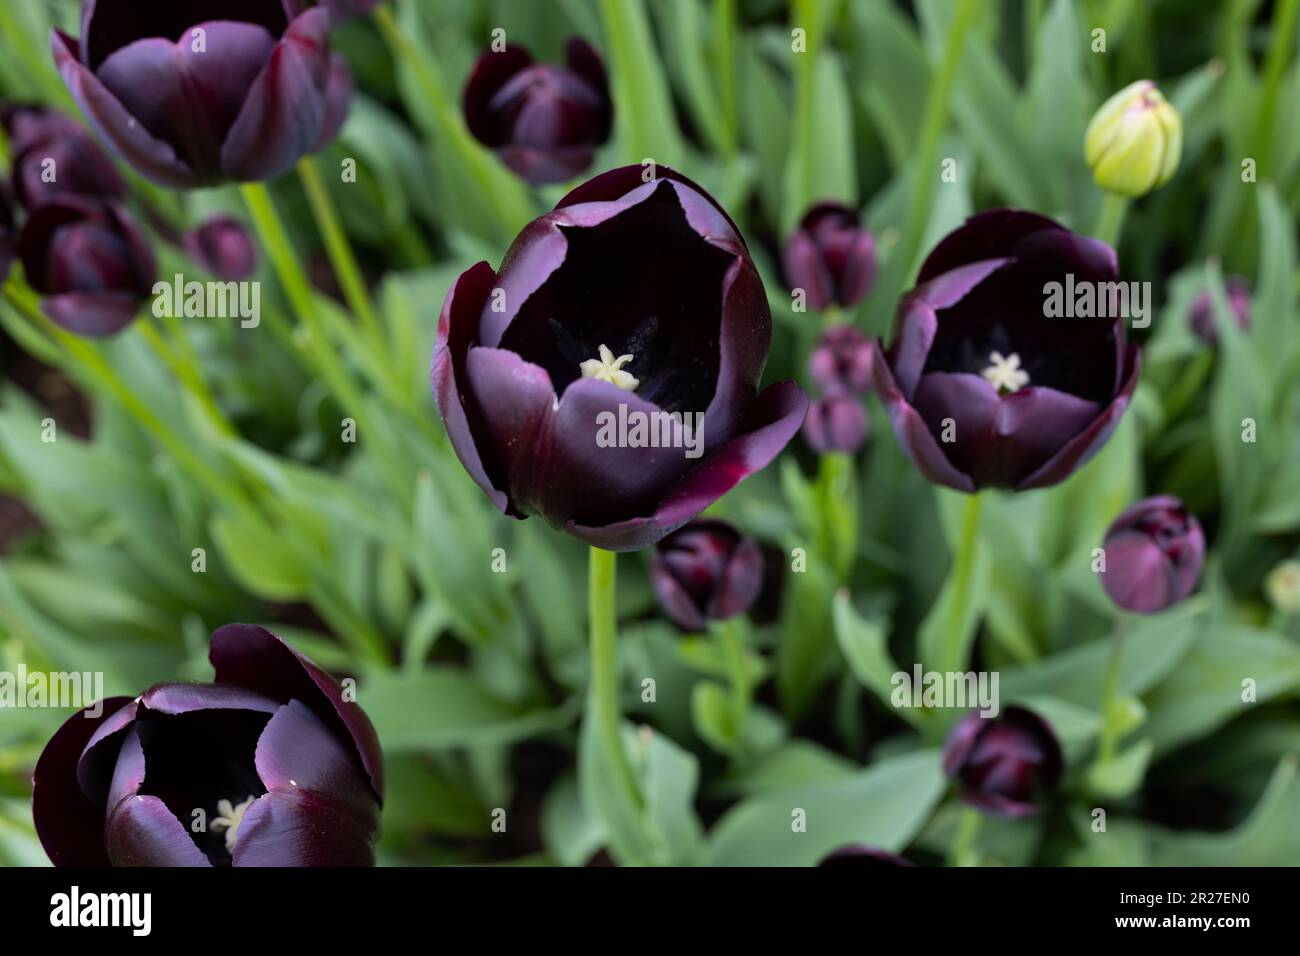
[(1111, 219), (1110, 716), (731, 634), (603, 706), (337, 246), (964, 561), (962, 852)]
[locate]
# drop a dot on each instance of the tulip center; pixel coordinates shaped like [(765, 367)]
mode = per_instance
[(228, 818), (607, 368), (1004, 373)]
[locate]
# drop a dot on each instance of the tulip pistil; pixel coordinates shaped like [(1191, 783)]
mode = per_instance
[(1005, 374), (607, 368), (228, 818)]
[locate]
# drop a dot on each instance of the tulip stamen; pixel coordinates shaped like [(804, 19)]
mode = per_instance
[(228, 818), (607, 368), (1005, 373)]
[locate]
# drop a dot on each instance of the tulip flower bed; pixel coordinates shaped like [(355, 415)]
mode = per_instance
[(649, 432)]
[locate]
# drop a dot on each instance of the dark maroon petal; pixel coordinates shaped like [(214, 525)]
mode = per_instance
[(304, 828), (745, 336), (185, 698), (948, 288), (491, 72), (583, 60), (961, 741), (1078, 450), (190, 99), (541, 167), (742, 580), (297, 751), (457, 330), (806, 269), (108, 25), (338, 99), (147, 154), (1137, 577), (674, 599), (128, 769), (1088, 259), (141, 831), (71, 825), (92, 314), (998, 804), (862, 856), (82, 167), (986, 235), (913, 433), (971, 404), (223, 246), (917, 325), (537, 252), (836, 423), (251, 657), (859, 269), (285, 111)]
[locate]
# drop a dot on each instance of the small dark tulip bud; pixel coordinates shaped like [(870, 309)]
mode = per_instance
[(544, 121), (90, 261), (1153, 552), (223, 246), (841, 362), (54, 156), (1003, 765), (862, 856), (706, 571), (1201, 315), (836, 423), (831, 257)]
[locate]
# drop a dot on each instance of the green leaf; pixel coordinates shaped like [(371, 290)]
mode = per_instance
[(258, 557), (645, 127), (821, 164), (715, 720)]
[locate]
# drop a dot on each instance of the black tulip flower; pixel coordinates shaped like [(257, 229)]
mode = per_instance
[(1004, 765), (836, 423), (1201, 315), (91, 263), (630, 300), (223, 246), (1154, 554), (831, 256), (206, 91), (544, 121), (841, 362), (983, 389), (53, 155), (284, 769), (858, 856), (706, 571)]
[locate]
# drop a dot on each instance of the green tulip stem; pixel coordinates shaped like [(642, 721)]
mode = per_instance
[(1111, 219), (602, 707), (1110, 715), (337, 246), (962, 852), (963, 567), (731, 634)]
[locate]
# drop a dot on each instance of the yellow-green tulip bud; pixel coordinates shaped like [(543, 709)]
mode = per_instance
[(1283, 587), (1134, 141)]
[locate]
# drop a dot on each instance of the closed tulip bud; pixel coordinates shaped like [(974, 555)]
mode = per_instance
[(223, 246), (1283, 587), (1154, 552), (91, 263), (836, 423), (52, 155), (706, 571), (271, 765), (841, 362), (1134, 141), (205, 92), (544, 121), (862, 856), (831, 256), (1201, 315), (1003, 765)]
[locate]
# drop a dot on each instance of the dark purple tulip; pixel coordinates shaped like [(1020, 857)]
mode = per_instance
[(341, 10), (836, 423), (841, 362), (653, 270), (1154, 553), (1201, 316), (1003, 765), (831, 257), (223, 246), (1027, 399), (91, 263), (53, 155), (262, 91), (544, 121), (706, 571), (286, 771), (859, 856)]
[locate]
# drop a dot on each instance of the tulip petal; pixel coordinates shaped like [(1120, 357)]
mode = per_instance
[(745, 336), (141, 831), (987, 235), (913, 433), (92, 314), (491, 72), (338, 100), (514, 400), (303, 828), (181, 698), (676, 601), (95, 767), (147, 154), (917, 325), (742, 580), (297, 751), (285, 111), (252, 657), (1148, 583), (69, 824), (806, 269)]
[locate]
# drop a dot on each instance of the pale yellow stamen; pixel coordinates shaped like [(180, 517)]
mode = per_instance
[(228, 818), (607, 368), (1005, 374)]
